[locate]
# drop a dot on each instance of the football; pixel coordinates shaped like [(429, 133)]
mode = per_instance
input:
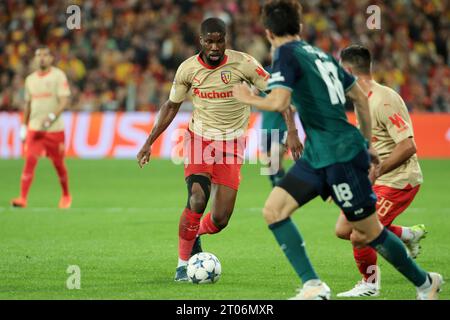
[(204, 267)]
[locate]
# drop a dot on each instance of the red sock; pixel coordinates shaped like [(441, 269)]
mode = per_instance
[(27, 176), (62, 174), (365, 258), (397, 230), (207, 225), (188, 228)]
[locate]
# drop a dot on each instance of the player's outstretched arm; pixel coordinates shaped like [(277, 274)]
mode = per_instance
[(165, 117), (278, 99), (360, 100), (293, 141)]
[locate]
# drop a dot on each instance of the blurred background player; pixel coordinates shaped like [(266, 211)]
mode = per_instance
[(273, 143), (274, 140), (396, 179), (335, 160), (218, 122), (46, 96)]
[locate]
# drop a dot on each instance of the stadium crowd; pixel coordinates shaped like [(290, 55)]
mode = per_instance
[(126, 53)]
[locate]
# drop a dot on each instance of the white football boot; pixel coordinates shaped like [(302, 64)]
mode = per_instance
[(419, 232), (313, 290), (362, 289), (432, 292)]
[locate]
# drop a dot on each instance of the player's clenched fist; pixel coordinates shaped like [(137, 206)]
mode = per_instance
[(374, 173), (48, 121), (374, 158), (23, 132), (143, 157), (294, 144)]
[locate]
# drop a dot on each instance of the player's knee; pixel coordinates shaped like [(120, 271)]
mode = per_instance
[(58, 162), (198, 192), (268, 214), (358, 239), (222, 223), (342, 233), (272, 213), (31, 159), (197, 202), (221, 220)]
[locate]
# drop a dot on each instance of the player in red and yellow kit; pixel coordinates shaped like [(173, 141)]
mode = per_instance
[(214, 143), (46, 96), (398, 177)]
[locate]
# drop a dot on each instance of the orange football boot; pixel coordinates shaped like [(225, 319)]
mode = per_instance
[(19, 202), (65, 202)]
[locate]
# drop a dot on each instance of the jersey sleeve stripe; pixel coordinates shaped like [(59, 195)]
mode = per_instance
[(350, 86)]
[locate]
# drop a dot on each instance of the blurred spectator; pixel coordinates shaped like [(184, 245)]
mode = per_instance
[(127, 51)]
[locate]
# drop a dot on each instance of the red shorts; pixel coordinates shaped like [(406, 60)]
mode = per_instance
[(43, 143), (391, 202), (221, 159)]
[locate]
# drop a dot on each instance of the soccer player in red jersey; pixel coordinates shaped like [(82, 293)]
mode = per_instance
[(398, 177), (214, 143), (46, 95)]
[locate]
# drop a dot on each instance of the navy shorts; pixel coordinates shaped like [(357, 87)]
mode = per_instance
[(347, 183), (269, 136)]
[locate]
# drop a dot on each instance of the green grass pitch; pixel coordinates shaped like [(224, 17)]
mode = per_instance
[(122, 233)]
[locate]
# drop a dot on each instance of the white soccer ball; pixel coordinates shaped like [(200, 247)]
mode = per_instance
[(204, 267)]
